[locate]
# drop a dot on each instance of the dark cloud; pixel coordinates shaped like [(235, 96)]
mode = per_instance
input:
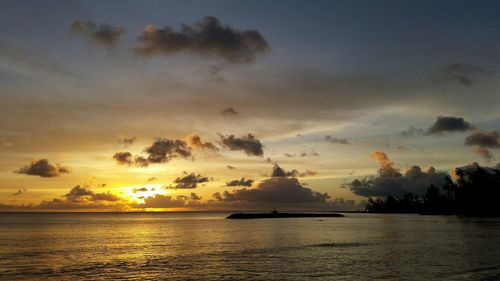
[(240, 182), (188, 181), (390, 181), (126, 142), (483, 141), (249, 144), (164, 150), (42, 168), (82, 193), (141, 161), (279, 172), (217, 196), (229, 111), (449, 124), (123, 158), (194, 197), (230, 167), (194, 141), (275, 190), (19, 192), (204, 38), (126, 158), (462, 74), (336, 140), (140, 189), (152, 179), (103, 33)]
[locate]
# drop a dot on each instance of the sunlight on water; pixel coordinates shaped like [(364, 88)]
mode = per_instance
[(207, 246)]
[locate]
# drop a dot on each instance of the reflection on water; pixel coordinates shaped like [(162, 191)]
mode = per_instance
[(152, 246)]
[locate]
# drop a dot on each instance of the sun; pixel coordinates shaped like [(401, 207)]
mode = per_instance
[(138, 193)]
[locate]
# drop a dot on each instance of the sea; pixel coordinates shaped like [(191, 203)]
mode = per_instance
[(207, 246)]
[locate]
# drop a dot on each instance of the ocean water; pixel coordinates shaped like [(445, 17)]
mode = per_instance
[(206, 246)]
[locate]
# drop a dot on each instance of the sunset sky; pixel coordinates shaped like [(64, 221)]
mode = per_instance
[(236, 105)]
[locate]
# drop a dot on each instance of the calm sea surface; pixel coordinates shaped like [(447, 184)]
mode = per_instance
[(206, 246)]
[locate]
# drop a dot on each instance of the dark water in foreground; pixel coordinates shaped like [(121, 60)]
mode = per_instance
[(205, 246)]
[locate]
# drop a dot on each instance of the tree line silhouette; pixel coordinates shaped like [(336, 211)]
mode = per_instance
[(474, 191)]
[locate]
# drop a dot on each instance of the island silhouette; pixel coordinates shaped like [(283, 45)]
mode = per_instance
[(474, 191), (275, 215)]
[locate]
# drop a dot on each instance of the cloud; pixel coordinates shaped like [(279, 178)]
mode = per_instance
[(61, 204), (484, 153), (386, 166), (126, 142), (229, 111), (164, 150), (194, 141), (102, 33), (249, 144), (82, 198), (162, 201), (82, 193), (194, 197), (312, 153), (484, 140), (302, 154), (240, 182), (449, 124), (413, 131), (140, 189), (189, 181), (152, 179), (42, 168), (20, 191), (275, 190), (123, 158), (336, 140), (390, 181), (217, 196), (279, 172), (126, 158), (230, 167), (308, 173), (141, 161), (206, 38), (463, 74)]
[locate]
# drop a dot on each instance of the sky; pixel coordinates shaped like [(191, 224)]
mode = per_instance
[(241, 105)]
